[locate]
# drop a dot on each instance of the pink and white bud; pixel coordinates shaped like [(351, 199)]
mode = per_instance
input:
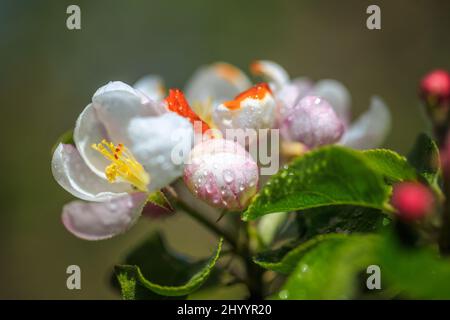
[(435, 87), (251, 109), (412, 200), (313, 122), (222, 173)]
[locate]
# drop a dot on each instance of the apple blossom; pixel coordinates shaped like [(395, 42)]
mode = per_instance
[(368, 131), (122, 153), (209, 85)]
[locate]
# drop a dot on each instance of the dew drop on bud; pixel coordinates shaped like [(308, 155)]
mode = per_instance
[(224, 183)]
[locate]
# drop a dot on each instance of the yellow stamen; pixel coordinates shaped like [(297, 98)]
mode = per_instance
[(123, 165)]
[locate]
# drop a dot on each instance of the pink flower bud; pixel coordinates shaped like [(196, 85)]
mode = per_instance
[(412, 200), (222, 173), (435, 87), (312, 121)]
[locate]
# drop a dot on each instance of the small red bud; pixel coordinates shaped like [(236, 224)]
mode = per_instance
[(435, 87), (412, 200)]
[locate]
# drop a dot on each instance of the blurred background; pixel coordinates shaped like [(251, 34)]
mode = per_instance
[(49, 73)]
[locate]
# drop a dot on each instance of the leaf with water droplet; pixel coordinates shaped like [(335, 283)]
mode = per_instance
[(323, 222), (331, 268), (344, 177), (391, 165)]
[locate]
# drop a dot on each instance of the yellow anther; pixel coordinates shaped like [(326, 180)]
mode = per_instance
[(123, 165)]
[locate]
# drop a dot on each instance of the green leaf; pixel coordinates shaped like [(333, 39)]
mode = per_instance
[(322, 222), (285, 262), (66, 138), (331, 268), (424, 156), (159, 199), (391, 165), (417, 273), (328, 176), (152, 271)]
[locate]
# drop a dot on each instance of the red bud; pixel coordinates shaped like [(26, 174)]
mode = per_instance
[(412, 200), (435, 87)]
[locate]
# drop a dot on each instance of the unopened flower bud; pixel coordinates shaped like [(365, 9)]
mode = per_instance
[(435, 88), (251, 109), (313, 122), (412, 200), (222, 173)]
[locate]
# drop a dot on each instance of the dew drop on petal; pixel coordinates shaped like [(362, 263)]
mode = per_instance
[(228, 176)]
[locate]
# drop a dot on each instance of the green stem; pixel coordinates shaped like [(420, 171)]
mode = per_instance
[(241, 248), (178, 204), (254, 272)]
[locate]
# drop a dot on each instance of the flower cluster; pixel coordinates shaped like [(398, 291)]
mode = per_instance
[(132, 141)]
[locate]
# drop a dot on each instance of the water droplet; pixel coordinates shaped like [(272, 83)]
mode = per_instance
[(228, 176), (284, 294), (227, 122), (130, 203), (304, 268), (208, 187)]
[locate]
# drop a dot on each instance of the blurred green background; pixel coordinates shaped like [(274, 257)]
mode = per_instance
[(48, 75)]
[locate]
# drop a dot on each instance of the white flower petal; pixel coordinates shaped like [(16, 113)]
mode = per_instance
[(113, 86), (71, 172), (275, 74), (103, 220), (371, 128), (89, 130), (107, 117), (115, 108), (215, 83), (337, 95), (152, 86), (161, 145)]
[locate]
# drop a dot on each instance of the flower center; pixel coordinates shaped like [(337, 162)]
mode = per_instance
[(123, 165)]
